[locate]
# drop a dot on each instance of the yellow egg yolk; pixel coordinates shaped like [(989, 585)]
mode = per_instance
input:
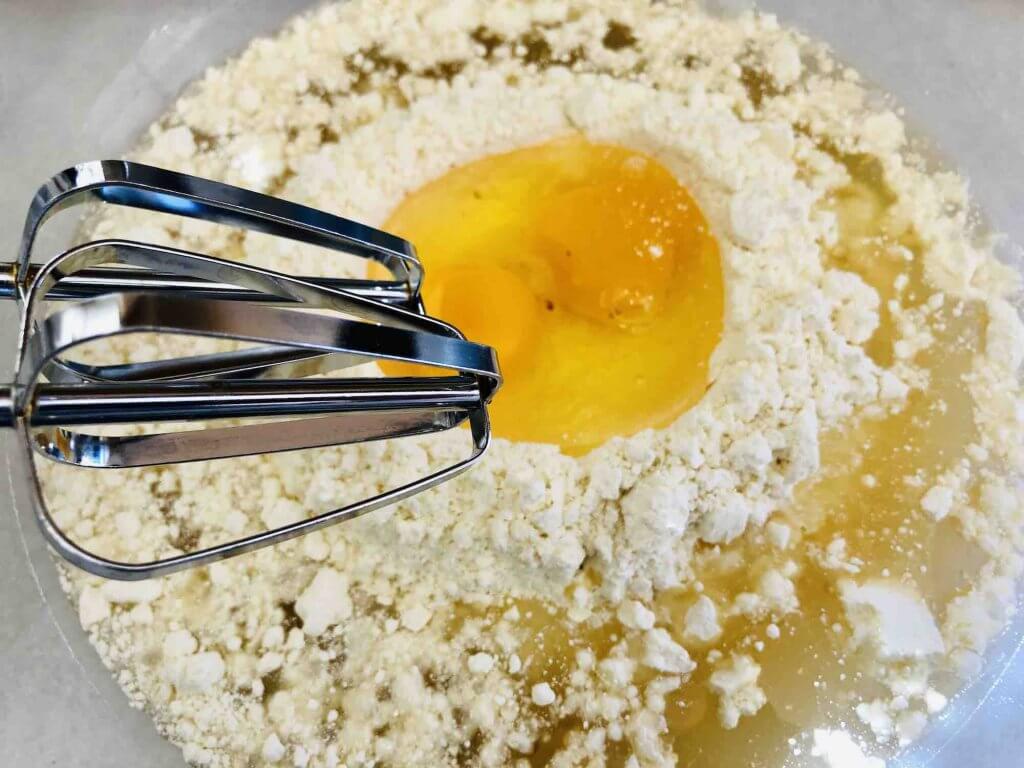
[(590, 269)]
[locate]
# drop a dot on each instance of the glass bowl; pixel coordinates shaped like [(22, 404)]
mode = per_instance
[(81, 79)]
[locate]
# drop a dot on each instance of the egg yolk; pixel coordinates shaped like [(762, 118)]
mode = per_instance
[(590, 269)]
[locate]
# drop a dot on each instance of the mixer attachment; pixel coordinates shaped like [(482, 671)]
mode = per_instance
[(296, 338)]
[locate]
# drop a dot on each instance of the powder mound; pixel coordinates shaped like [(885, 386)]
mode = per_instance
[(455, 627)]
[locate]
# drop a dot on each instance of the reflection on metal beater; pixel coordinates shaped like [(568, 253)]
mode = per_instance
[(119, 287)]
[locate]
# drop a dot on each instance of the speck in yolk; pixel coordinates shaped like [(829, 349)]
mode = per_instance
[(590, 269)]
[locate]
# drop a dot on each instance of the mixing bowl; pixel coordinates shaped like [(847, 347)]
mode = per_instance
[(80, 79)]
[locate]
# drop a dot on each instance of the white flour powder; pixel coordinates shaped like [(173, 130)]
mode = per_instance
[(346, 648)]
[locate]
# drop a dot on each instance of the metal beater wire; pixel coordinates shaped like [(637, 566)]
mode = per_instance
[(116, 287)]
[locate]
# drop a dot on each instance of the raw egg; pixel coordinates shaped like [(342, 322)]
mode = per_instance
[(590, 269)]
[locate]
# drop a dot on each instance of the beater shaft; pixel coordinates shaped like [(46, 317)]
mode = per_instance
[(90, 404)]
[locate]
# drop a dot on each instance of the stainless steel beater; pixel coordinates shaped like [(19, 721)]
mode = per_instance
[(113, 287)]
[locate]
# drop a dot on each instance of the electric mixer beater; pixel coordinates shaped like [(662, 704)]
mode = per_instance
[(299, 336)]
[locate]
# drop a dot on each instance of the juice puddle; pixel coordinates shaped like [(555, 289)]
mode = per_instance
[(874, 474), (865, 494)]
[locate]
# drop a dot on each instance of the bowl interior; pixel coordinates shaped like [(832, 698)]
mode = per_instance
[(81, 81)]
